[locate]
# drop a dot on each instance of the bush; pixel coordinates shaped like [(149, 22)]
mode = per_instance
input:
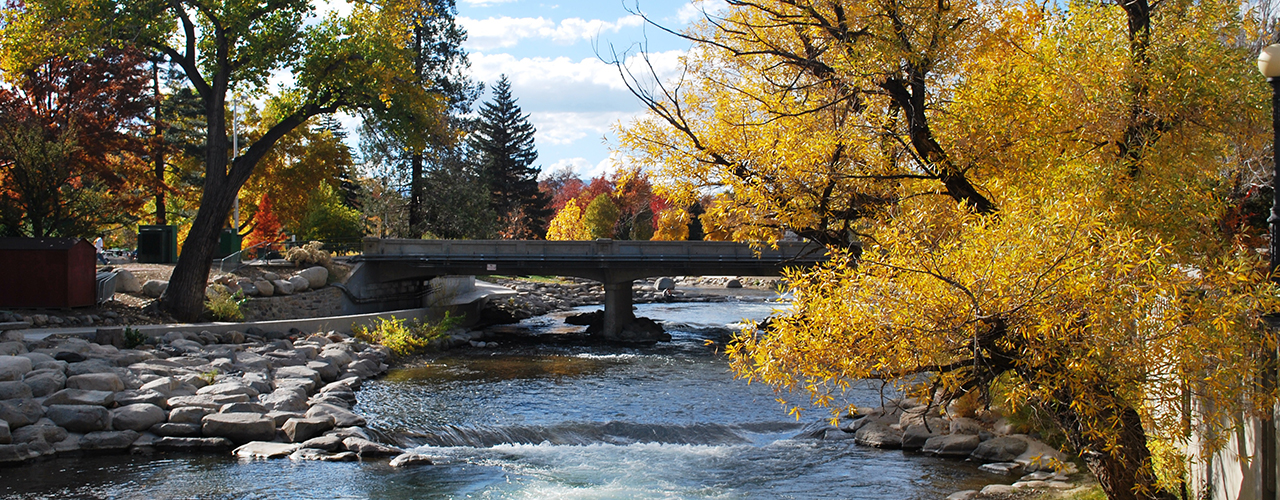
[(405, 339), (133, 338), (224, 305), (311, 253)]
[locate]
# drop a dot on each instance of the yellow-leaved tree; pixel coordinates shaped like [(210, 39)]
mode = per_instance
[(568, 225), (1028, 202)]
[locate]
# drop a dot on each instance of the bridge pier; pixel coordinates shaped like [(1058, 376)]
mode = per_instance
[(617, 308)]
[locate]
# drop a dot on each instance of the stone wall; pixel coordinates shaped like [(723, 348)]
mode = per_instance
[(320, 303)]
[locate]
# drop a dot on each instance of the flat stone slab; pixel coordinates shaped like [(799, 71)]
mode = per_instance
[(264, 449), (14, 325)]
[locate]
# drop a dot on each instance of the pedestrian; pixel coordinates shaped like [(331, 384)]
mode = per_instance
[(102, 255)]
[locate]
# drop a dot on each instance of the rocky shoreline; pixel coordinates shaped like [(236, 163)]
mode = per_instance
[(255, 394)]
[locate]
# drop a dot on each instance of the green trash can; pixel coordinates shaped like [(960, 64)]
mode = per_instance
[(158, 244), (228, 243)]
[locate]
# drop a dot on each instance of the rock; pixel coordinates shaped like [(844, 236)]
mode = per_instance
[(248, 288), (1039, 456), (280, 417), (270, 276), (13, 453), (914, 436), (13, 367), (189, 415), (69, 445), (342, 417), (44, 430), (243, 408), (192, 444), (20, 412), (964, 425), (263, 449), (306, 385), (642, 331), (108, 440), (963, 495), (878, 435), (315, 454), (130, 397), (211, 401), (88, 366), (410, 459), (951, 445), (80, 418), (1003, 427), (96, 382), (154, 288), (264, 287), (733, 283), (6, 437), (13, 347), (136, 417), (302, 429), (299, 283), (316, 276), (326, 443), (664, 284), (327, 370), (282, 287), (228, 388), (991, 490), (169, 429), (285, 399), (1001, 468), (299, 372), (126, 282), (239, 427), (367, 448), (81, 397), (14, 389), (1000, 449), (337, 356), (69, 357), (346, 432)]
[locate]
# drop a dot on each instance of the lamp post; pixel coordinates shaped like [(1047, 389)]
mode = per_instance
[(1269, 66)]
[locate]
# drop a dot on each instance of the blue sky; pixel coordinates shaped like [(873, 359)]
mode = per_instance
[(548, 50)]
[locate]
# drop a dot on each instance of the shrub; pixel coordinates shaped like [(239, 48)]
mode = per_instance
[(224, 305), (133, 338), (310, 253), (405, 339)]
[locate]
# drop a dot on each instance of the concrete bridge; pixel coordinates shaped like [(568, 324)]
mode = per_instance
[(393, 273)]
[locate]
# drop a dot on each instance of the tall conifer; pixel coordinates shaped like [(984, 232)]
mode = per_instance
[(504, 154)]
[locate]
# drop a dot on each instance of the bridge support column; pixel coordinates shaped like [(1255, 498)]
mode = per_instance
[(617, 308)]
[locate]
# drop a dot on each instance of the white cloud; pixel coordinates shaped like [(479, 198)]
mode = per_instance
[(325, 7), (560, 128), (697, 9), (498, 32)]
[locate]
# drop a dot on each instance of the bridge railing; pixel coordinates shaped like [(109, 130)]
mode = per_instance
[(616, 248)]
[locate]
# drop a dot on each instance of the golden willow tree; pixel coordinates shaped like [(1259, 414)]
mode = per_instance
[(1027, 202)]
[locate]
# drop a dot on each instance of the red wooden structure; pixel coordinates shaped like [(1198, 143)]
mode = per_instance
[(46, 272)]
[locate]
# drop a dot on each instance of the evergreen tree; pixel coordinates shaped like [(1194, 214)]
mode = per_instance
[(504, 156)]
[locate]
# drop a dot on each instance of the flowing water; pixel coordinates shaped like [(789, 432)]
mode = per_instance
[(553, 420)]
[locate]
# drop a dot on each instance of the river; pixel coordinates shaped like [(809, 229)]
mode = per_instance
[(552, 420)]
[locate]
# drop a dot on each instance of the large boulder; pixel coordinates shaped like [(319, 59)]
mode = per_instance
[(879, 435), (45, 382), (191, 444), (326, 443), (282, 287), (229, 388), (108, 440), (1000, 449), (80, 418), (96, 382), (264, 287), (367, 448), (126, 282), (952, 445), (170, 387), (263, 449), (299, 372), (410, 459), (189, 414), (302, 429), (14, 389), (136, 417), (6, 436), (327, 370), (14, 453), (299, 283), (316, 276), (169, 429), (289, 398), (664, 284), (914, 436), (43, 430), (342, 417), (94, 365), (14, 367), (239, 427), (211, 401), (81, 397), (965, 425), (20, 412), (154, 288)]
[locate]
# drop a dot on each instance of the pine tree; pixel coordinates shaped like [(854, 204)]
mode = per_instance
[(504, 156)]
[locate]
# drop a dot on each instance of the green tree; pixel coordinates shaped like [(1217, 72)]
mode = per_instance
[(601, 216), (329, 219), (503, 153), (348, 63)]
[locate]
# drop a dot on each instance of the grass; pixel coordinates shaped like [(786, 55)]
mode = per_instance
[(224, 305)]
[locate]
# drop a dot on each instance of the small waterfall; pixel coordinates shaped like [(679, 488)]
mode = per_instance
[(575, 433)]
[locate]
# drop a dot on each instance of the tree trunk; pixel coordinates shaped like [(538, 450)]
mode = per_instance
[(415, 196), (1125, 473)]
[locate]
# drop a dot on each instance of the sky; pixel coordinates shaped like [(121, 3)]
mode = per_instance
[(556, 55)]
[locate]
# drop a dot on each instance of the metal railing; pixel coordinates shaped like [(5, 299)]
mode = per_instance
[(237, 257)]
